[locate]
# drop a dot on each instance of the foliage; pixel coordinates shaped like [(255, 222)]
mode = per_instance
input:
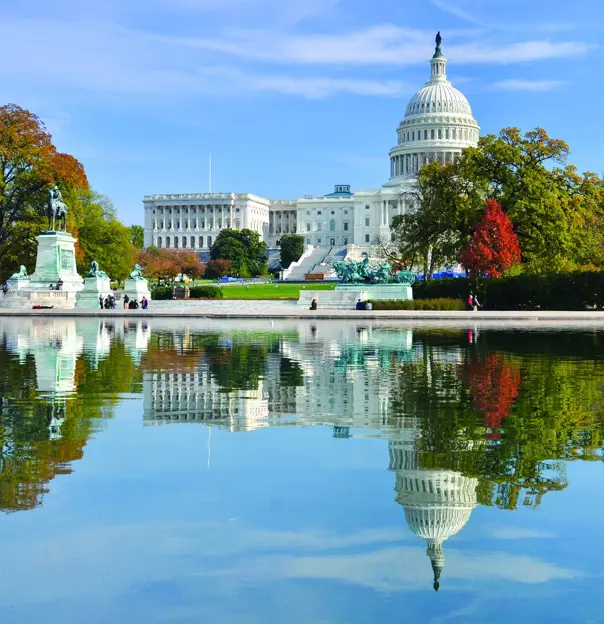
[(101, 236), (29, 165), (292, 248), (137, 236), (215, 269), (166, 264), (420, 304), (494, 246), (245, 250), (557, 214), (577, 290), (206, 292), (270, 292), (162, 293)]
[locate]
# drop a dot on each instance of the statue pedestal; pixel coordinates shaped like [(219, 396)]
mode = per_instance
[(94, 287), (345, 296), (137, 289), (18, 283), (55, 262)]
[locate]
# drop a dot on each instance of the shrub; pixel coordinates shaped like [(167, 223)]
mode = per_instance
[(161, 293), (454, 305), (576, 290), (206, 292)]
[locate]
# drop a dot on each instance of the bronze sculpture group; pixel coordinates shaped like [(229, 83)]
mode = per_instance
[(364, 273)]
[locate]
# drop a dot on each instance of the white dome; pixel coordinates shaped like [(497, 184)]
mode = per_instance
[(438, 98), (438, 125)]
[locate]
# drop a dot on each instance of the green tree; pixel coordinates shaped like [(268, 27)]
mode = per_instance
[(102, 237), (292, 248), (137, 236), (245, 250)]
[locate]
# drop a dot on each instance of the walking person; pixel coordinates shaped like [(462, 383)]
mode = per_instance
[(126, 301), (101, 301), (471, 301), (475, 303), (144, 303)]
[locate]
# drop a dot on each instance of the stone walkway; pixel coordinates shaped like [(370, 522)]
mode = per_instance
[(223, 309)]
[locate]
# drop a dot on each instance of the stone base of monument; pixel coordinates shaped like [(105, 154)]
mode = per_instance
[(346, 296), (55, 263), (137, 289), (94, 287)]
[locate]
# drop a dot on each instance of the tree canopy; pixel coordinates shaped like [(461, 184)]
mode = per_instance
[(245, 250), (292, 247)]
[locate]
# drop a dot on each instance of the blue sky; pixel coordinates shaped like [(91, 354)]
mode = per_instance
[(291, 97)]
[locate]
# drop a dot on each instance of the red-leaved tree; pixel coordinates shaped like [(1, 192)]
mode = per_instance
[(494, 248)]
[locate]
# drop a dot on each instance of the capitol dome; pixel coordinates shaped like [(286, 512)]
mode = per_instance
[(438, 124)]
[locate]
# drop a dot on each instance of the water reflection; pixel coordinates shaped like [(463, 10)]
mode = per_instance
[(470, 418)]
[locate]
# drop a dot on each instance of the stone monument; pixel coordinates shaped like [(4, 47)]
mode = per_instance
[(55, 281), (360, 280), (136, 286), (96, 284)]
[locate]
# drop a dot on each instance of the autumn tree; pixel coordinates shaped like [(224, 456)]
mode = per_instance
[(215, 269), (168, 263), (494, 247), (29, 165)]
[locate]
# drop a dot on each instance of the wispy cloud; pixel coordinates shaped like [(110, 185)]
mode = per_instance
[(448, 7), (385, 44), (535, 86)]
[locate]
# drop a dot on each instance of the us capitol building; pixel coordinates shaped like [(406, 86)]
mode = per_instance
[(438, 125)]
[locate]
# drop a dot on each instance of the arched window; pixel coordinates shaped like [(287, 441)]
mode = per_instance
[(176, 242), (201, 242), (447, 133), (425, 135), (432, 134), (332, 226), (209, 241), (159, 241), (440, 133), (167, 242), (454, 134), (192, 242), (184, 242)]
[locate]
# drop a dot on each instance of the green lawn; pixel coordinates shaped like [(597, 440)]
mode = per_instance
[(271, 291)]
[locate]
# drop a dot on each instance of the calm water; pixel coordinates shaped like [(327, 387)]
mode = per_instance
[(299, 473)]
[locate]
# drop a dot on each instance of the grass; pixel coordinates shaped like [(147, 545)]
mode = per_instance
[(271, 291)]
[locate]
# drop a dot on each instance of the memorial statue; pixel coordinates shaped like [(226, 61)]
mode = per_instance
[(56, 209), (22, 274), (363, 273), (439, 39), (137, 272), (94, 271)]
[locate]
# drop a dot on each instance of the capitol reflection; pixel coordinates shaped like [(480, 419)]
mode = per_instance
[(467, 421)]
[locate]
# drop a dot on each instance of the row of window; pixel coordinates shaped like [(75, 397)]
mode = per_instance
[(183, 242), (192, 225), (332, 226), (463, 135), (185, 209)]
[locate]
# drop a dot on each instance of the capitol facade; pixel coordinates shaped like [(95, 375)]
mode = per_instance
[(437, 126)]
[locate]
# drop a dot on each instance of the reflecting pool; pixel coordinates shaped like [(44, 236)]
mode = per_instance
[(299, 472)]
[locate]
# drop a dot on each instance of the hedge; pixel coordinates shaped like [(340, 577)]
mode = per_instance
[(420, 304), (195, 292), (578, 290), (206, 292)]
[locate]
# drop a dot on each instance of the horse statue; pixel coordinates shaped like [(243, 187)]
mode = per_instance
[(56, 209)]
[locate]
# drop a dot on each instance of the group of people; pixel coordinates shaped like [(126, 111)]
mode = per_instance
[(473, 303), (109, 303), (364, 305), (57, 286)]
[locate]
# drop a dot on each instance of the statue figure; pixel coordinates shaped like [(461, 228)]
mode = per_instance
[(22, 274), (439, 39), (56, 209), (94, 271), (137, 272), (363, 273)]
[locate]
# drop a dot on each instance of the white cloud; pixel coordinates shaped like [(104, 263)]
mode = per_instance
[(385, 44), (535, 86), (517, 533), (448, 7)]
